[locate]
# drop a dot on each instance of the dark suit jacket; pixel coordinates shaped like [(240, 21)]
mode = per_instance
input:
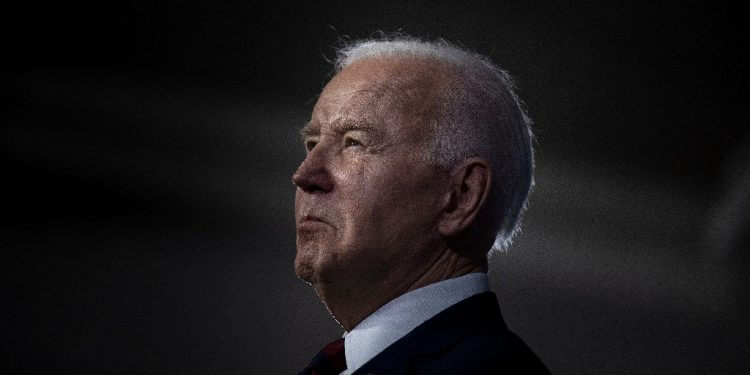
[(469, 337)]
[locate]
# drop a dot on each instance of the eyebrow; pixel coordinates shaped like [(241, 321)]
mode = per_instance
[(309, 130)]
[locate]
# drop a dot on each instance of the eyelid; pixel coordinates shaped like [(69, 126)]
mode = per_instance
[(348, 138), (310, 142)]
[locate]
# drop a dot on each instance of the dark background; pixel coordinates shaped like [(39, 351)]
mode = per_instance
[(147, 152)]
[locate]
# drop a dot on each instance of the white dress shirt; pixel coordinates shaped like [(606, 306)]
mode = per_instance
[(398, 317)]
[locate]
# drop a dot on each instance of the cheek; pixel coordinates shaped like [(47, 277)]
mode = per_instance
[(382, 200), (381, 203), (359, 197)]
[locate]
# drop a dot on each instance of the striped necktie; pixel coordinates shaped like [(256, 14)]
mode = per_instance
[(330, 361)]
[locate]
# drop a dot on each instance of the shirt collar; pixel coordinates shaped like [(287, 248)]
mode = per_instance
[(398, 317)]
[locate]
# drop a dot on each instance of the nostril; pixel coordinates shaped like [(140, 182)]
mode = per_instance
[(312, 189), (313, 181), (313, 175)]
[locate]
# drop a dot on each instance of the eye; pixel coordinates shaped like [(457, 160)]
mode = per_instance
[(351, 142), (309, 145)]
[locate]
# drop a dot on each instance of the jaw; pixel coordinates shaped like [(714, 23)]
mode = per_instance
[(308, 258), (303, 269), (316, 261)]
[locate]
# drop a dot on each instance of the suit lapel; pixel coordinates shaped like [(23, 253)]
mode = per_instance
[(436, 334)]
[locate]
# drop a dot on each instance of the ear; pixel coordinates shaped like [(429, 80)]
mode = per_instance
[(470, 188)]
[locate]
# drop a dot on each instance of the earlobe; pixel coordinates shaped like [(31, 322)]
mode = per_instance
[(470, 188)]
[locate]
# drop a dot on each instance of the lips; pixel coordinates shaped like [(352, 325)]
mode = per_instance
[(312, 220)]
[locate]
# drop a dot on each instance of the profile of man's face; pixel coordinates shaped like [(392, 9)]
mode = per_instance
[(366, 202)]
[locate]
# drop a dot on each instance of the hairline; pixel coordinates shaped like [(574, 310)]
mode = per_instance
[(468, 68)]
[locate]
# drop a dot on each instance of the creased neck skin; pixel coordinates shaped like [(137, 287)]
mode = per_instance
[(349, 307), (368, 207)]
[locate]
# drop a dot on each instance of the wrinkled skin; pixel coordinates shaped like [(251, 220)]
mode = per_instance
[(367, 205)]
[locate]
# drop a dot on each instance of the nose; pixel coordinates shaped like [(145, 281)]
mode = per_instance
[(313, 175)]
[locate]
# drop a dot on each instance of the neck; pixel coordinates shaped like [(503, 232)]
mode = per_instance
[(350, 304)]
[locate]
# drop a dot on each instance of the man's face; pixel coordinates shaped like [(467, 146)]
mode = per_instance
[(367, 204)]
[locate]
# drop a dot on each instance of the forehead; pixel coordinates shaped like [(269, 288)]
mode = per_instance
[(385, 91)]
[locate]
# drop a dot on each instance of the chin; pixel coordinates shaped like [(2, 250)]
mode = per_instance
[(303, 267), (308, 264), (315, 267)]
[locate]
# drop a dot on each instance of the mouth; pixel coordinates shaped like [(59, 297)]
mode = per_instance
[(312, 219)]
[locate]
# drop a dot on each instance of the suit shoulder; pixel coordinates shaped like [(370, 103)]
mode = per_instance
[(491, 351)]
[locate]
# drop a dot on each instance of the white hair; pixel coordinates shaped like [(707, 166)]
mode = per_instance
[(480, 115)]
